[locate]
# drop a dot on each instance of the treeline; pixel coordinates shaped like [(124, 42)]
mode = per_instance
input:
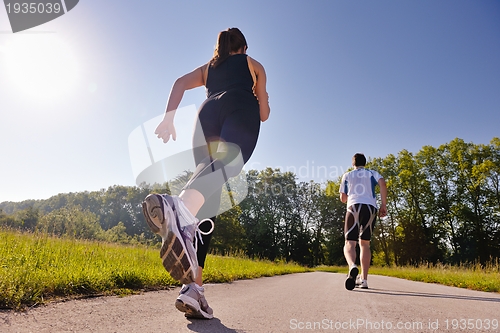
[(444, 206), (113, 215)]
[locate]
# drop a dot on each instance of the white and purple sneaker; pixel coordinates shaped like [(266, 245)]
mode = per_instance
[(193, 303), (168, 217)]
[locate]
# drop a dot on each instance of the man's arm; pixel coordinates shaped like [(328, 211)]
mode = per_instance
[(342, 188), (343, 197)]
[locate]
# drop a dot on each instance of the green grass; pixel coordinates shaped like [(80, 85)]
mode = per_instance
[(226, 269), (36, 268), (475, 277)]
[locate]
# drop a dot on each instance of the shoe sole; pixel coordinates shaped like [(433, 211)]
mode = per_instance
[(173, 252), (151, 208), (350, 282), (175, 259), (191, 310)]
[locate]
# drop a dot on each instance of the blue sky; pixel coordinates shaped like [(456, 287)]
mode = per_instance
[(343, 77)]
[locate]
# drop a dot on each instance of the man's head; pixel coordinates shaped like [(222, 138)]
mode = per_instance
[(359, 160)]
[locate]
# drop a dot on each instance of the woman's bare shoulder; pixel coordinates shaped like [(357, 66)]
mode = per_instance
[(257, 65)]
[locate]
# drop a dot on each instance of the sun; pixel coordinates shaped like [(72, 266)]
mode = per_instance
[(39, 66)]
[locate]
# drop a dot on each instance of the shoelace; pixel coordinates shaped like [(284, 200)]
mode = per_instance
[(197, 232)]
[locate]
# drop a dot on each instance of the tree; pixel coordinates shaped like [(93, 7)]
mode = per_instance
[(228, 235), (8, 221), (28, 218), (71, 222), (117, 234), (267, 213), (333, 211)]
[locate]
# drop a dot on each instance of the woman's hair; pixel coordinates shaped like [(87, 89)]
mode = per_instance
[(230, 40)]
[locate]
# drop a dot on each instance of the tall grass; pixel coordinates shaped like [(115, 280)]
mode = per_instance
[(35, 268), (230, 268), (470, 276)]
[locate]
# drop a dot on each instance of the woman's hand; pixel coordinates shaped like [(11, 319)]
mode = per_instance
[(166, 128)]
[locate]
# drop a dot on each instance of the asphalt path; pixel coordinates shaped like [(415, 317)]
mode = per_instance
[(306, 302)]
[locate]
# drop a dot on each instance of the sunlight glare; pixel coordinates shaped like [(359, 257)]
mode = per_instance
[(39, 66)]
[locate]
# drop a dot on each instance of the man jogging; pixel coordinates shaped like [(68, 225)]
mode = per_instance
[(357, 189)]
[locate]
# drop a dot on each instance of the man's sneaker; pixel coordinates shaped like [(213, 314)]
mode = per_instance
[(363, 284), (168, 217), (358, 281), (350, 282), (192, 302)]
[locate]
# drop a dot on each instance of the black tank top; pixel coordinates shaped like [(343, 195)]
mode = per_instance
[(231, 74)]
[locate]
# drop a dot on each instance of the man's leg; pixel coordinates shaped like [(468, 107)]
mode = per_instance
[(365, 257), (350, 256), (350, 252), (351, 232), (367, 217)]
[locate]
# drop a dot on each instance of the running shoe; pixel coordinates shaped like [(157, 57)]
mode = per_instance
[(350, 282), (168, 217), (364, 284), (193, 303), (358, 280)]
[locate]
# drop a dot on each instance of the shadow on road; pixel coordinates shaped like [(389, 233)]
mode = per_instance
[(210, 326), (432, 295)]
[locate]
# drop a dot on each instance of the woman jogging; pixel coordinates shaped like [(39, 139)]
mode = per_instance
[(229, 119)]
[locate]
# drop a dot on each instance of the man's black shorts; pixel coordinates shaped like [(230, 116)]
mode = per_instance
[(359, 222)]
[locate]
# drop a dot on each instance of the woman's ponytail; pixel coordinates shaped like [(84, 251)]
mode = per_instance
[(230, 40)]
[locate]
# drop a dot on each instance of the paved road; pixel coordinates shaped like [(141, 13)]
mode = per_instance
[(307, 302)]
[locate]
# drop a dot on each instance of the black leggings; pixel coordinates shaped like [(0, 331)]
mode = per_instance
[(224, 139)]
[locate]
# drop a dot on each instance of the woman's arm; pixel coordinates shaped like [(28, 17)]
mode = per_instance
[(188, 81), (191, 80), (260, 90)]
